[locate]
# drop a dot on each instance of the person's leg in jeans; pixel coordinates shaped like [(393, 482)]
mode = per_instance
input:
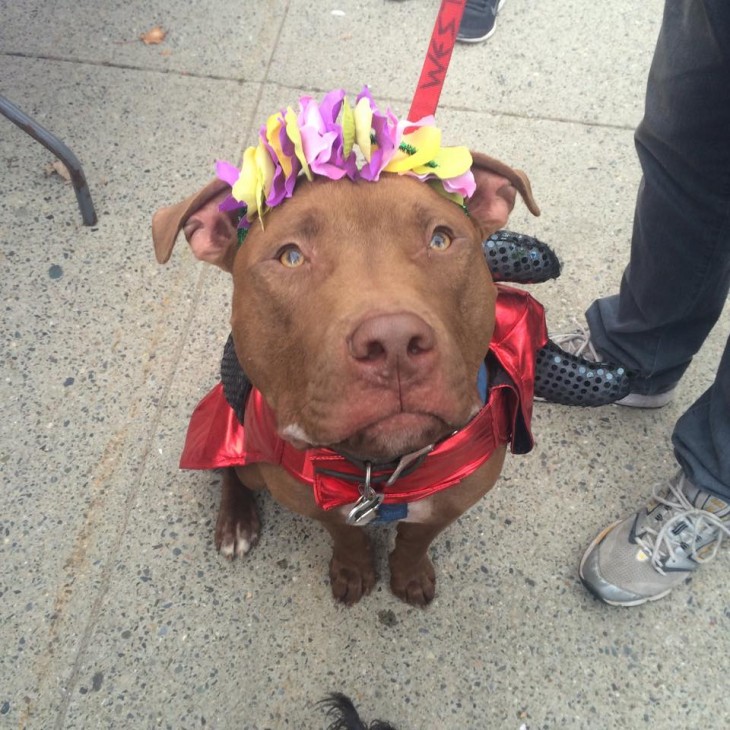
[(701, 437), (676, 283), (671, 295)]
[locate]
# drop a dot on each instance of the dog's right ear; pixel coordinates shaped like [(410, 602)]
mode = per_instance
[(494, 197), (212, 233)]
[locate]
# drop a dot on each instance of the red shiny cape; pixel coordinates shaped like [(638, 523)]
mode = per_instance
[(216, 439)]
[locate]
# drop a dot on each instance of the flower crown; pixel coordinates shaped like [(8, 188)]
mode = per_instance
[(314, 143)]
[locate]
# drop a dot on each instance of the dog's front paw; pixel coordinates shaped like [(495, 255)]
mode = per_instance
[(350, 581), (238, 526), (236, 535), (414, 584)]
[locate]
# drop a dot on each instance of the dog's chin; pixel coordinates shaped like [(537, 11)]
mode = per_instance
[(394, 436)]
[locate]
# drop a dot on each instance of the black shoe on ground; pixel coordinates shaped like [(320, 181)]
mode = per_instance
[(479, 20)]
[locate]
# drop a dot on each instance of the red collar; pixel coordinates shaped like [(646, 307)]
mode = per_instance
[(216, 439)]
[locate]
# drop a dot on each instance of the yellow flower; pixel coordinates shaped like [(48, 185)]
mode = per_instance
[(292, 131), (264, 174), (244, 189), (363, 126), (449, 162), (426, 141), (348, 128), (274, 125)]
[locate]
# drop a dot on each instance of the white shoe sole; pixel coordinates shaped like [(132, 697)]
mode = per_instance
[(637, 400)]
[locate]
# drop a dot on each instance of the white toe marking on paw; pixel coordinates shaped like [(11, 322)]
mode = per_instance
[(243, 544)]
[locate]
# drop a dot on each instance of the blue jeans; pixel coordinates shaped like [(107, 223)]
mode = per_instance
[(676, 283)]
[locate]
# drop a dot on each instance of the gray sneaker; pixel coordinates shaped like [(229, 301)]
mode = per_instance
[(642, 557), (579, 343)]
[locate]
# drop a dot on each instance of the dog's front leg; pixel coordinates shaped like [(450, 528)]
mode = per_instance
[(412, 575), (238, 526), (352, 574)]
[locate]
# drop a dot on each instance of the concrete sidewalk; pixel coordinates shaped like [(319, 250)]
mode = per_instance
[(116, 610)]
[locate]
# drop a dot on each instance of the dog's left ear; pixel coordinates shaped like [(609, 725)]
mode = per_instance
[(497, 187)]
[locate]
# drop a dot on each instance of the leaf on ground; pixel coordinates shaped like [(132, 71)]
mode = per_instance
[(153, 36), (58, 168)]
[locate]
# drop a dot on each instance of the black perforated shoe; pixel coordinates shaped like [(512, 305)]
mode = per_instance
[(578, 344), (521, 259), (572, 380)]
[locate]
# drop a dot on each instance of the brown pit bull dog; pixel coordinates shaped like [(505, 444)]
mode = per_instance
[(362, 315)]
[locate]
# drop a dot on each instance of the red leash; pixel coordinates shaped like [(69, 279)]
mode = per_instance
[(433, 73)]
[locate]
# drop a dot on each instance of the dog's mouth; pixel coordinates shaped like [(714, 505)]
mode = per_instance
[(395, 435), (384, 428)]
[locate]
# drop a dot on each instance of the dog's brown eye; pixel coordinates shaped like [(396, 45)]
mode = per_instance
[(440, 241), (291, 257)]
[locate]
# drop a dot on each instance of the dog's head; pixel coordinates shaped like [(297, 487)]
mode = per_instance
[(361, 310)]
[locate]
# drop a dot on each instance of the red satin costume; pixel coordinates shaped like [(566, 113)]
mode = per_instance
[(216, 439)]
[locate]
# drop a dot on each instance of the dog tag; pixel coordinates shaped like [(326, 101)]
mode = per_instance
[(365, 510)]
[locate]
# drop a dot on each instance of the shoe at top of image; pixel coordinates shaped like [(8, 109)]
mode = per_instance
[(479, 20)]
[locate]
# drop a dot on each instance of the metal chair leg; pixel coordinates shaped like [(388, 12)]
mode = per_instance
[(59, 149)]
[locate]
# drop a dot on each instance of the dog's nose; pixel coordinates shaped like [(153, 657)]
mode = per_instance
[(387, 343)]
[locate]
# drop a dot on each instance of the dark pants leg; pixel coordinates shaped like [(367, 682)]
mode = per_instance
[(676, 284), (701, 437)]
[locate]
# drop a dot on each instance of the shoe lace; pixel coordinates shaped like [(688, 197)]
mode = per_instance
[(577, 343), (664, 544)]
